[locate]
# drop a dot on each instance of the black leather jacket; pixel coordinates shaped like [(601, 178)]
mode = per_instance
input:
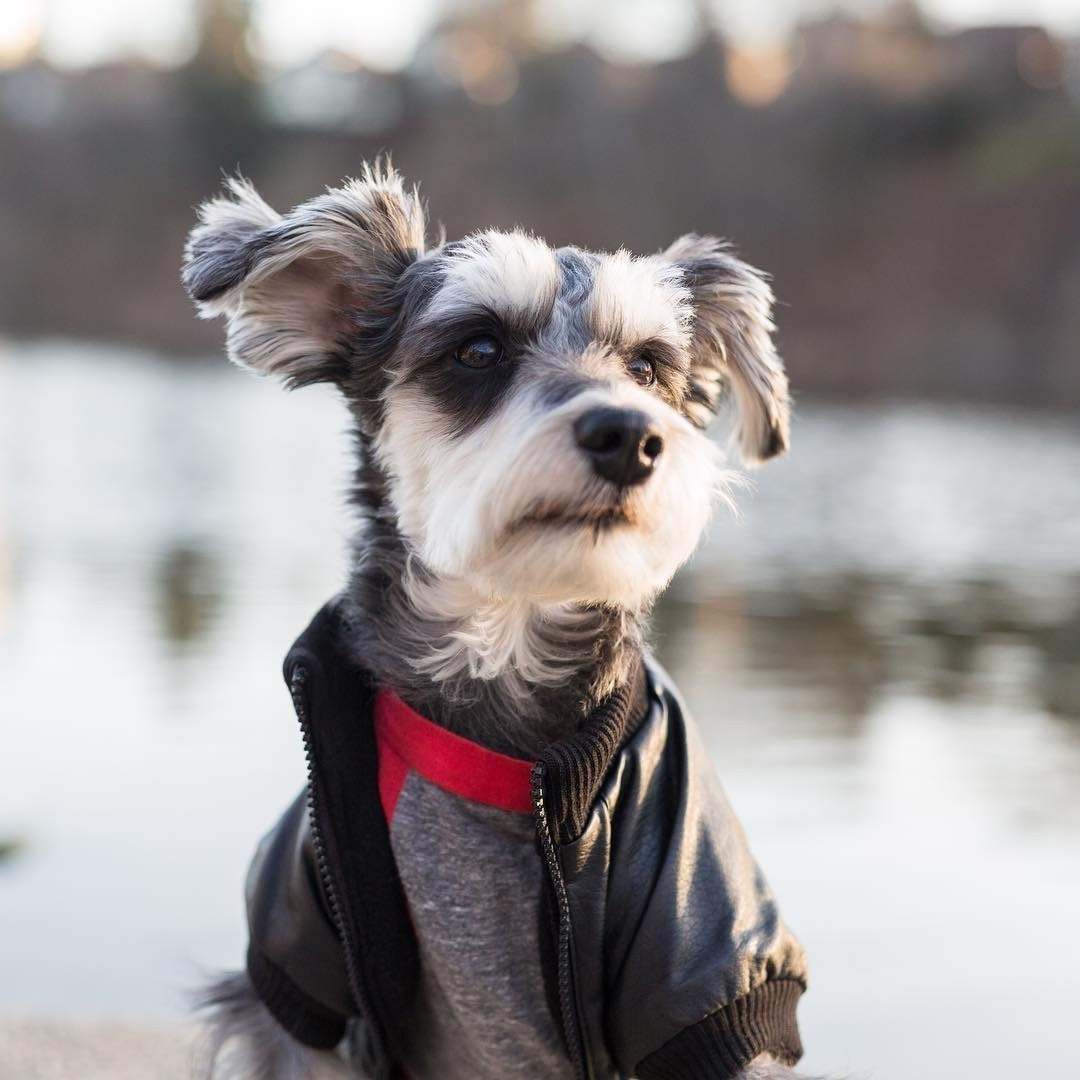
[(666, 956)]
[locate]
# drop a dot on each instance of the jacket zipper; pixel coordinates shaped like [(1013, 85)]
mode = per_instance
[(567, 1003), (376, 1053)]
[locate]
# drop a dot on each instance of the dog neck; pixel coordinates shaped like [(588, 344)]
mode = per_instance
[(513, 675)]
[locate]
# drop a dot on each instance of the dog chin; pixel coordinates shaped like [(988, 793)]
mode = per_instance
[(596, 557)]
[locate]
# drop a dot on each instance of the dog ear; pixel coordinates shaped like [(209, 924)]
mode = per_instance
[(732, 345), (297, 289)]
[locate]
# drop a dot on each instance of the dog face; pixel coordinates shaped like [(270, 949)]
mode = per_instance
[(538, 412)]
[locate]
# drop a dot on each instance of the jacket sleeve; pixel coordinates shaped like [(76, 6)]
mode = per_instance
[(295, 959), (703, 975)]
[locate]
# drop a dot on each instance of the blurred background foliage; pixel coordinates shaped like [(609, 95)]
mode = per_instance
[(914, 187)]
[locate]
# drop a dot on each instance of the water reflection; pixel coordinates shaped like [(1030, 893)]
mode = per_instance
[(9, 847), (189, 593), (974, 640), (884, 653)]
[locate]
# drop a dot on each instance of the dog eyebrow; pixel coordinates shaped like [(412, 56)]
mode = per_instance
[(511, 274), (634, 300), (661, 352)]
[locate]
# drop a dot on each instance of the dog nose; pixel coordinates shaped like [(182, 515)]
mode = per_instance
[(622, 444)]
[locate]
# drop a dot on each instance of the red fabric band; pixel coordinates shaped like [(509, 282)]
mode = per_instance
[(407, 741)]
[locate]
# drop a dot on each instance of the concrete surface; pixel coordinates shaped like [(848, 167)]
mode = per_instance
[(95, 1050)]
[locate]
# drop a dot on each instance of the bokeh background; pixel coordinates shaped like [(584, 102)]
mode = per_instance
[(883, 649)]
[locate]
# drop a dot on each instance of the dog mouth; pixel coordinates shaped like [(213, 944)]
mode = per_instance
[(555, 516)]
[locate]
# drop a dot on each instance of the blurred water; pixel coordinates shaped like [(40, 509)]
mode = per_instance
[(884, 653)]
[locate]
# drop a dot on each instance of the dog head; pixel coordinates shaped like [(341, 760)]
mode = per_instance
[(538, 413)]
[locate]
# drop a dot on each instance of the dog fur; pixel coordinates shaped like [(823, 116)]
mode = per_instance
[(495, 574)]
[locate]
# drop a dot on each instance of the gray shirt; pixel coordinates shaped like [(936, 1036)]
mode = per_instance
[(463, 838)]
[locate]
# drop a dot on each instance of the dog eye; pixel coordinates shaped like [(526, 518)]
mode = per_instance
[(479, 352), (643, 370)]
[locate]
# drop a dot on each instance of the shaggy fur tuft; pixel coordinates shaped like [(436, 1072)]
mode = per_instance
[(244, 1042), (733, 344), (287, 285)]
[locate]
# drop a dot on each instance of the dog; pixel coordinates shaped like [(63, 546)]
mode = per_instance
[(491, 748)]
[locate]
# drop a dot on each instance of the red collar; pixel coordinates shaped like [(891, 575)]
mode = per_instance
[(409, 742)]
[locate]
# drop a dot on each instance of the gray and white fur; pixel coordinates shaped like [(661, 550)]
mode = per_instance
[(531, 461)]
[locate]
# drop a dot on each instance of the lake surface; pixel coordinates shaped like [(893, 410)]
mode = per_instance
[(883, 651)]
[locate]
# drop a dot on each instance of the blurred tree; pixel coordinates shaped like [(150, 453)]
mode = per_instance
[(220, 89)]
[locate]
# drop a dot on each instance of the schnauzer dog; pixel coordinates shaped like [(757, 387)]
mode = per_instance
[(511, 858)]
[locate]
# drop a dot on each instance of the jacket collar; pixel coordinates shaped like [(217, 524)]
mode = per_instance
[(335, 701), (575, 766)]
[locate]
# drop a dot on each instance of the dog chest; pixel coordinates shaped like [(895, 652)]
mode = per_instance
[(462, 836)]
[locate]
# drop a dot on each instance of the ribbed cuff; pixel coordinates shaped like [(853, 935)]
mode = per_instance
[(299, 1014), (726, 1041)]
